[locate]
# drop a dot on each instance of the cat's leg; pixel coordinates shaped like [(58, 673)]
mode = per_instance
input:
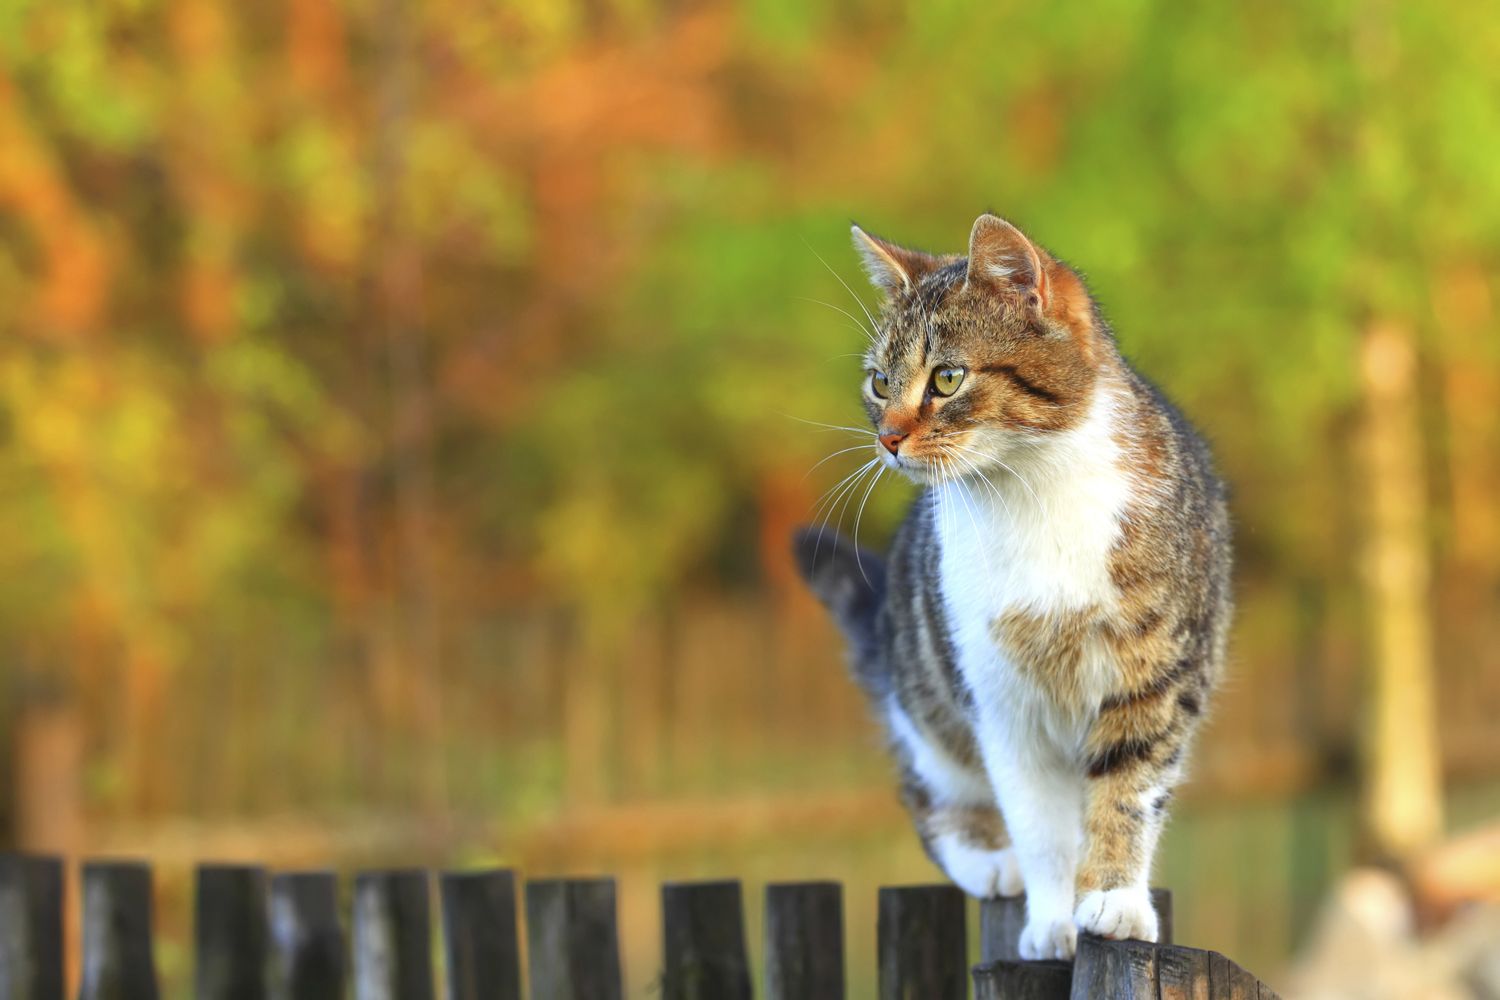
[(954, 812), (1134, 762), (1041, 797), (969, 843)]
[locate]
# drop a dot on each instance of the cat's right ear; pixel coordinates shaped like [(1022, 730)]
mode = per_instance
[(892, 269)]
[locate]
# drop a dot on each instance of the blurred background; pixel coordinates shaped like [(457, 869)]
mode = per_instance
[(402, 418)]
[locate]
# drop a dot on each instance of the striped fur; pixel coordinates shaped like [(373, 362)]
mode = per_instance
[(1045, 633)]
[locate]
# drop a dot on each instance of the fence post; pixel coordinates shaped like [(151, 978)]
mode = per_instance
[(1000, 924), (117, 961), (923, 946), (1120, 970), (1016, 980), (307, 937), (31, 917), (1182, 973), (573, 949), (392, 936), (805, 941), (231, 932), (479, 935), (703, 942), (1161, 902)]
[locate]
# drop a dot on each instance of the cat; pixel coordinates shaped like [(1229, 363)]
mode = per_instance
[(1043, 637)]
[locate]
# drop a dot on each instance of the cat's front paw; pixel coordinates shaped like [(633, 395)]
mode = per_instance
[(1118, 914), (981, 872), (1048, 937)]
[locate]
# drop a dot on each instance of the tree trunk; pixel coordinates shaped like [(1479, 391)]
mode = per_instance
[(1403, 806)]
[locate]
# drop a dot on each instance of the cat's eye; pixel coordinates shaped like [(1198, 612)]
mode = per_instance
[(880, 385), (945, 381)]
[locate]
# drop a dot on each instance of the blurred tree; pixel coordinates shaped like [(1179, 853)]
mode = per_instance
[(336, 330)]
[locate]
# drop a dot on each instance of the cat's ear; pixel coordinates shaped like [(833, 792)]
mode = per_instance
[(1001, 258), (892, 269)]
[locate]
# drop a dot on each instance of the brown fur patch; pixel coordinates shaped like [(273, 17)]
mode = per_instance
[(1115, 838), (978, 826), (1048, 648)]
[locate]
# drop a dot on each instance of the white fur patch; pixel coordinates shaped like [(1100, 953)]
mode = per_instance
[(982, 873), (1043, 939), (1118, 914), (948, 781)]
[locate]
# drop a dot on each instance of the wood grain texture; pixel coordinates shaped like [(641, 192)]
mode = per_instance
[(805, 941)]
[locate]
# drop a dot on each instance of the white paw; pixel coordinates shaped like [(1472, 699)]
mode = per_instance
[(1045, 938), (1118, 914), (980, 872)]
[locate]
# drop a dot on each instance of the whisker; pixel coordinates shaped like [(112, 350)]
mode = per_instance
[(832, 427), (847, 496), (829, 458), (974, 470), (835, 487), (829, 305), (843, 488), (874, 326), (1020, 478), (1000, 462), (859, 514)]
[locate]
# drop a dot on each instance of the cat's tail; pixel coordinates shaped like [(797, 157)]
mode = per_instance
[(850, 581)]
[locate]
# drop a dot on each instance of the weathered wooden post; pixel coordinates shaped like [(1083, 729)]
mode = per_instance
[(1016, 980), (703, 942), (1000, 924), (479, 935), (572, 946), (31, 965), (805, 941), (230, 933), (306, 937), (922, 941), (1121, 970), (117, 962), (392, 936)]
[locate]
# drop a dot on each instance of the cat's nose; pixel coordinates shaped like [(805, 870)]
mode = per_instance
[(892, 441)]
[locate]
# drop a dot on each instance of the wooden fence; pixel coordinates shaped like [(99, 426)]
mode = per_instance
[(280, 936)]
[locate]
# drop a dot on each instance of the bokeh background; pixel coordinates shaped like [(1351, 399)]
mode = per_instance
[(404, 408)]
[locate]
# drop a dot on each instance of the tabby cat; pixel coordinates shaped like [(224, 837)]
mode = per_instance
[(1043, 637)]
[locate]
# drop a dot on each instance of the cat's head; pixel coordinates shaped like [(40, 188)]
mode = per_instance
[(976, 358)]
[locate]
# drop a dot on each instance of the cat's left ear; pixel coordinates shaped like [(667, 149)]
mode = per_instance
[(894, 270), (1003, 259)]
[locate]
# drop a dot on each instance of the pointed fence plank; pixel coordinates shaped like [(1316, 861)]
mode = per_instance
[(31, 965), (392, 936), (573, 947), (922, 943), (479, 935), (805, 941), (306, 937), (231, 933), (703, 942)]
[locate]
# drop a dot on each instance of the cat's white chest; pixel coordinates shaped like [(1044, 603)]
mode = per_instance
[(1036, 543)]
